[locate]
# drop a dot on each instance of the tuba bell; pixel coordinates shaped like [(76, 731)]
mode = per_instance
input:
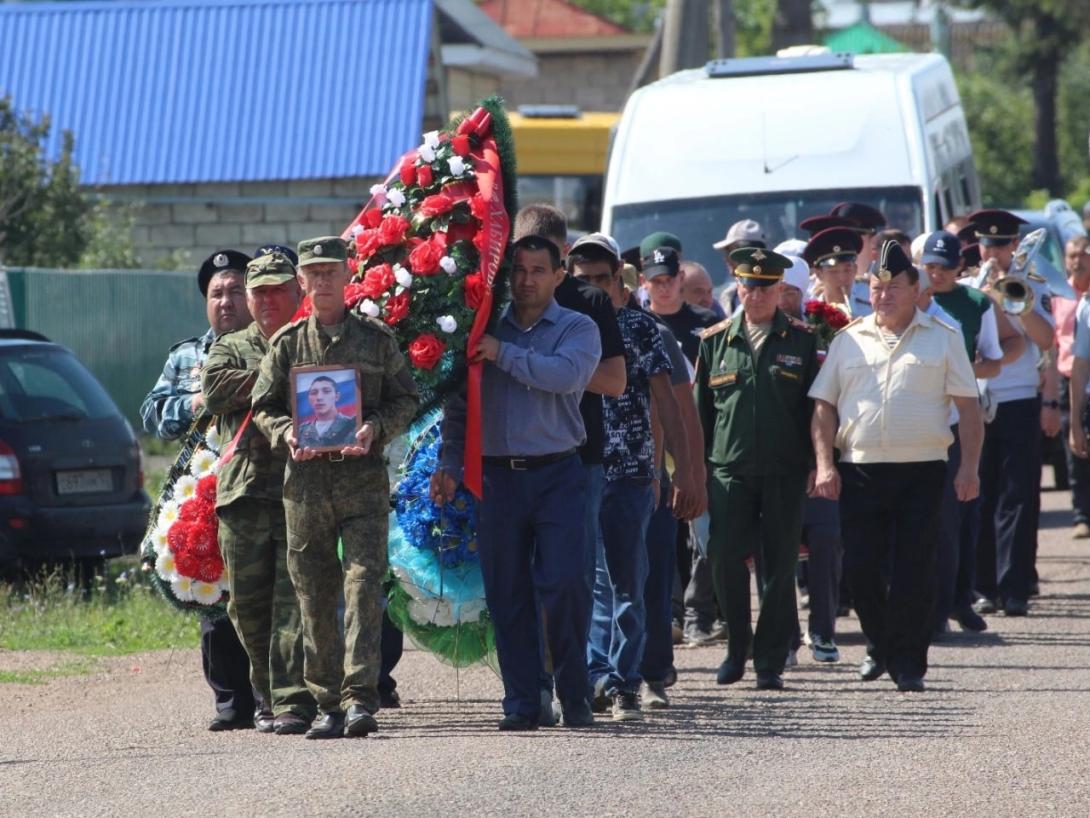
[(1015, 292)]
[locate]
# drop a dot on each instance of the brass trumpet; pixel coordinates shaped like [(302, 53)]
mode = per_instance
[(1014, 292)]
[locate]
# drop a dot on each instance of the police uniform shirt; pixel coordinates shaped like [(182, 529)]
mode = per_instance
[(167, 411), (893, 405)]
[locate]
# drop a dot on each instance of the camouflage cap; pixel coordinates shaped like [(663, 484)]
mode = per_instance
[(322, 249), (269, 271)]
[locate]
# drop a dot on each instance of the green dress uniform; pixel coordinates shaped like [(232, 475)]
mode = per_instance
[(249, 503), (334, 496), (755, 415)]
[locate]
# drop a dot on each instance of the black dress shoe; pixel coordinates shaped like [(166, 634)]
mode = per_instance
[(910, 684), (1035, 588), (328, 725), (769, 681), (871, 669), (517, 723), (389, 700), (983, 605), (732, 669), (359, 722), (969, 619), (231, 719), (289, 724), (577, 715), (1015, 607), (264, 721)]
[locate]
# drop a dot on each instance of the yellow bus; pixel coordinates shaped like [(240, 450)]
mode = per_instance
[(562, 155)]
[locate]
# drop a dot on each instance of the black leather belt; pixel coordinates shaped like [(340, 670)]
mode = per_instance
[(527, 463)]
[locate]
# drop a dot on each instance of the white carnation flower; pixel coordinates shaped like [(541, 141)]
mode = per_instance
[(202, 463), (431, 139), (447, 323), (449, 265), (379, 192), (369, 308), (185, 488), (457, 166), (427, 153), (182, 588), (206, 593), (396, 198), (165, 567), (357, 229), (403, 276)]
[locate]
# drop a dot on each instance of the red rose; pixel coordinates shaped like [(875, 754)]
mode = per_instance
[(354, 293), (836, 319), (392, 230), (303, 313), (209, 569), (377, 281), (478, 206), (460, 144), (396, 308), (372, 218), (353, 267), (474, 291), (814, 308), (187, 564), (367, 244), (425, 257), (436, 205), (424, 176), (408, 171), (461, 232), (425, 351)]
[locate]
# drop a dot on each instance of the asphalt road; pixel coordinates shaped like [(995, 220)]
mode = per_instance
[(1002, 731)]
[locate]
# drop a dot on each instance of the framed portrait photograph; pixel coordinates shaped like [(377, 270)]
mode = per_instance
[(327, 411)]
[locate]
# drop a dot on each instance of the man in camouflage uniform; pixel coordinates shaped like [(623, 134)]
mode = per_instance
[(167, 412), (331, 494), (252, 534)]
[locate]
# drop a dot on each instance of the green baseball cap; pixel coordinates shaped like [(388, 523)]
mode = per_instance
[(322, 249), (269, 271), (659, 239)]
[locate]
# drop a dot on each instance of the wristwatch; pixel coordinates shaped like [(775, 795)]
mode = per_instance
[(1050, 404)]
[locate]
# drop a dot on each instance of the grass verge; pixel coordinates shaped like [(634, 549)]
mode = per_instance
[(43, 675), (119, 613)]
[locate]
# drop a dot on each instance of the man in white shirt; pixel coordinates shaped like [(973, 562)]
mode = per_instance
[(883, 398)]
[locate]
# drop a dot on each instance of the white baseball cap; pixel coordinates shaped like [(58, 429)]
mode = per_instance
[(791, 247), (746, 230), (798, 274)]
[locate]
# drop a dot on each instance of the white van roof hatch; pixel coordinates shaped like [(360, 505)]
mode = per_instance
[(757, 66)]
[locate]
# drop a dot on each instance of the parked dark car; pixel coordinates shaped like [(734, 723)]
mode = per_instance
[(71, 480)]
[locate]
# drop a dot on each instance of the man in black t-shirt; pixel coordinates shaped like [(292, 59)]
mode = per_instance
[(661, 265), (608, 379)]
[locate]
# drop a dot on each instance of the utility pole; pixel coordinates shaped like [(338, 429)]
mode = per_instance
[(725, 29), (684, 35)]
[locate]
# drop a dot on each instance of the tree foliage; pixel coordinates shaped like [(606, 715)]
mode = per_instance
[(46, 218)]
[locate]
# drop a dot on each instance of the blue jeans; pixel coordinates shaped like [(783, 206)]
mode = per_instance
[(658, 653), (533, 555), (618, 622)]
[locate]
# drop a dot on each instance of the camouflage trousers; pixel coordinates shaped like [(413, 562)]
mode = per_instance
[(324, 500), (262, 603)]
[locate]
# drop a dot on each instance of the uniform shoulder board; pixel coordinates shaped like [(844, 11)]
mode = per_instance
[(291, 326), (373, 323), (849, 325), (714, 329), (799, 324), (183, 342), (940, 323)]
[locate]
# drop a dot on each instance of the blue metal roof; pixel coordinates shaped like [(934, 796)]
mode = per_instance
[(182, 91)]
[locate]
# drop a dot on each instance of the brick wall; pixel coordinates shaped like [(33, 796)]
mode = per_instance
[(189, 222), (593, 81)]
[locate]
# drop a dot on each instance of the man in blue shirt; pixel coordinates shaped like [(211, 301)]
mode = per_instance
[(531, 534)]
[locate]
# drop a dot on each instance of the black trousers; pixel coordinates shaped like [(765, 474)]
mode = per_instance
[(390, 649), (226, 666), (889, 518), (1010, 475)]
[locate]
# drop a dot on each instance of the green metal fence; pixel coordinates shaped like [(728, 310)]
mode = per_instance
[(120, 323)]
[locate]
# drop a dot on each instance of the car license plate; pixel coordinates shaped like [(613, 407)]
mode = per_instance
[(87, 481)]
